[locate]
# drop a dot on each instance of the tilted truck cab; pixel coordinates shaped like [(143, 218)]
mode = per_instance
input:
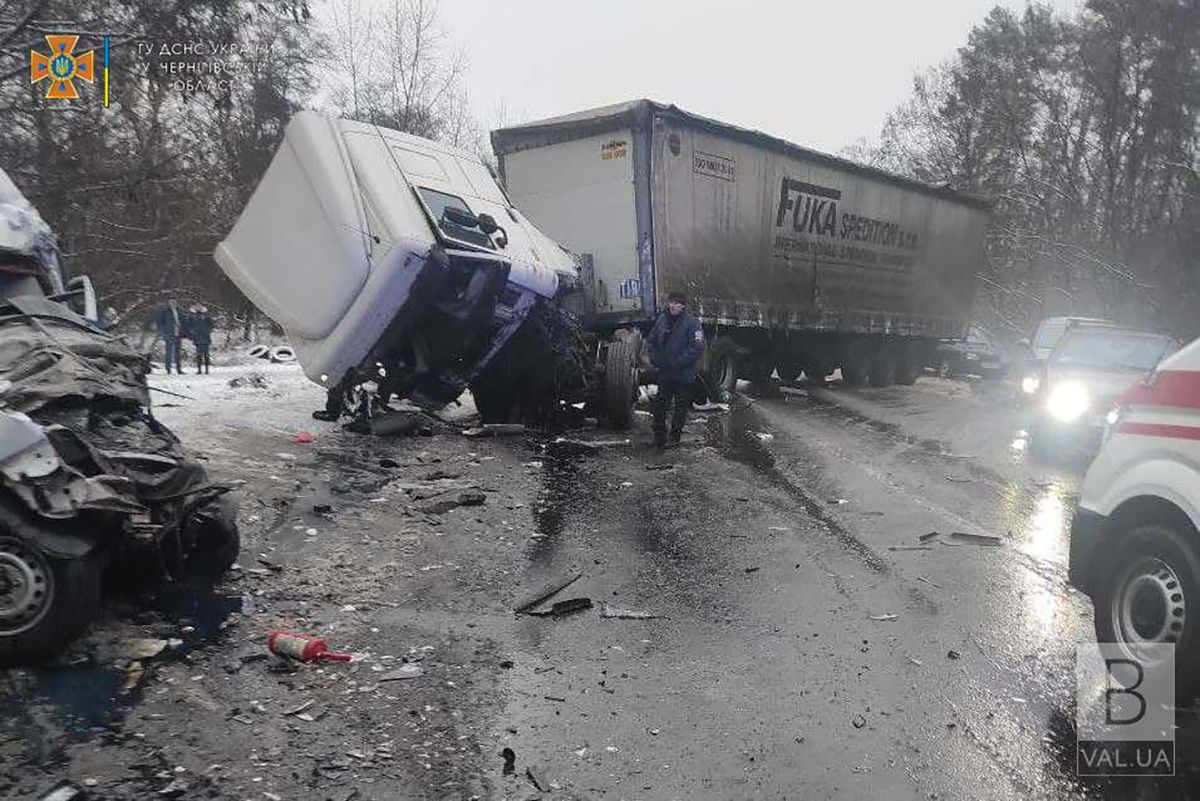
[(396, 260)]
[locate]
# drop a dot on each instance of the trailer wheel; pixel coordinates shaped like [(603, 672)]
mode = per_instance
[(856, 363), (720, 370), (789, 369), (883, 366), (910, 366), (620, 383)]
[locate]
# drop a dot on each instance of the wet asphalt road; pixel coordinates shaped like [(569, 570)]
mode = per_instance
[(775, 546), (808, 641)]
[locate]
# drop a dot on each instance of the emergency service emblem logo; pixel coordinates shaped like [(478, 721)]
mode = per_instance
[(62, 67)]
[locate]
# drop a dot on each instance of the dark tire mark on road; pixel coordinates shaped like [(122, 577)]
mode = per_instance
[(732, 436)]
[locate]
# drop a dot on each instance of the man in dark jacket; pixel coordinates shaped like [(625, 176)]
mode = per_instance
[(170, 328), (200, 328), (676, 345)]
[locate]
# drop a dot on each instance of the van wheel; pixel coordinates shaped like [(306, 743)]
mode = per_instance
[(45, 602), (1150, 593), (720, 370)]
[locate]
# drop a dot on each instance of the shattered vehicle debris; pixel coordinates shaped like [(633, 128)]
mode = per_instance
[(398, 267), (89, 481)]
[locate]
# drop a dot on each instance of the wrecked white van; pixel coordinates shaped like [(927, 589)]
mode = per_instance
[(400, 261)]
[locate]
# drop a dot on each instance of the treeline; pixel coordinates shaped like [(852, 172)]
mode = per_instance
[(1085, 132), (141, 192)]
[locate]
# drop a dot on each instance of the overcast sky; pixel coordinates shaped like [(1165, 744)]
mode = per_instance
[(822, 73)]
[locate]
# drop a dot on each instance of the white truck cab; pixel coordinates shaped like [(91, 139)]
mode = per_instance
[(1135, 539), (376, 250)]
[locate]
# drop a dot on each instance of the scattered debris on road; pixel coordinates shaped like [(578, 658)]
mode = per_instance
[(254, 380), (976, 539), (304, 707), (536, 778), (510, 761), (403, 673), (609, 611), (859, 721), (302, 648), (562, 608), (495, 430), (547, 592), (884, 618)]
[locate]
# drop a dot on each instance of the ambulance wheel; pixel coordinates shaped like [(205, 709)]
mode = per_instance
[(1149, 592)]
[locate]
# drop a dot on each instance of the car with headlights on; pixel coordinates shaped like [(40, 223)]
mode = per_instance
[(1135, 537), (1045, 338), (1085, 374)]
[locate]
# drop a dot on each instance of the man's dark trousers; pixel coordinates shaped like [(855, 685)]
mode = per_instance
[(174, 353), (674, 397)]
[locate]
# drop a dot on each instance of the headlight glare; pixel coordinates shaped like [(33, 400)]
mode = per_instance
[(1030, 384), (1068, 402)]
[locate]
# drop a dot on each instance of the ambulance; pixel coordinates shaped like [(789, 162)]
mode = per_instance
[(1135, 539)]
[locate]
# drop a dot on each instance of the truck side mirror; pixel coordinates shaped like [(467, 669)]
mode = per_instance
[(487, 224)]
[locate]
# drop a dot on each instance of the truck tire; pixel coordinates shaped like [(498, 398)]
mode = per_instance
[(910, 366), (620, 383), (720, 370), (1150, 592), (883, 366), (758, 373), (493, 401), (856, 363), (789, 369), (45, 601)]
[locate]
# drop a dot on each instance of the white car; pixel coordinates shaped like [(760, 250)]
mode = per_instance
[(1135, 539)]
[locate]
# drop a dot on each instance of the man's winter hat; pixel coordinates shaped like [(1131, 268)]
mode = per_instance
[(676, 296)]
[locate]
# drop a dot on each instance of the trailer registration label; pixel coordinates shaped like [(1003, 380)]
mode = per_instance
[(714, 166)]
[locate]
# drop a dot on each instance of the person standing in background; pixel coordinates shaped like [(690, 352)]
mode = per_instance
[(200, 328), (170, 328)]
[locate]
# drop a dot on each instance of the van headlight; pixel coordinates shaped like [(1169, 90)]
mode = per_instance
[(1030, 384), (1068, 401), (1110, 423)]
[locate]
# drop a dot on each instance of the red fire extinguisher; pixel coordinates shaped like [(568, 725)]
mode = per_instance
[(302, 647)]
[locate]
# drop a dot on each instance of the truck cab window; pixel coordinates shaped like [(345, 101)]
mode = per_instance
[(436, 204)]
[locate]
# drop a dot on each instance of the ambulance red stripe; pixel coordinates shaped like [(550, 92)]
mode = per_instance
[(1178, 389), (1160, 430)]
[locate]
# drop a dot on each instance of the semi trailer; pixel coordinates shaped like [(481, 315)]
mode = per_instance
[(793, 260)]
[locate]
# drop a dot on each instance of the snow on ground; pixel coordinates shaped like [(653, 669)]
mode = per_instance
[(211, 405)]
